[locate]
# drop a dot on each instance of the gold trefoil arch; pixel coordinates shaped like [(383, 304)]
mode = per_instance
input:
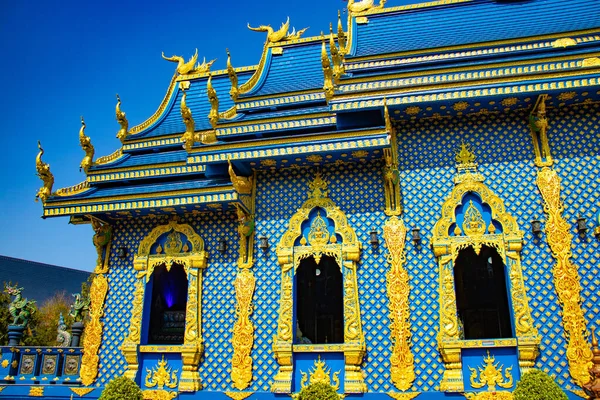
[(194, 261), (508, 243), (347, 253)]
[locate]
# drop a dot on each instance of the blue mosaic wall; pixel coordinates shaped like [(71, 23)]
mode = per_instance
[(218, 301)]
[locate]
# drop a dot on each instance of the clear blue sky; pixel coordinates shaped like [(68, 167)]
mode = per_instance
[(69, 58)]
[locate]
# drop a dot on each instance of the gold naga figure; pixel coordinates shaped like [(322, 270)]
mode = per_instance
[(122, 120), (88, 148), (364, 5), (190, 126), (190, 67), (280, 35), (242, 184), (43, 171), (213, 115)]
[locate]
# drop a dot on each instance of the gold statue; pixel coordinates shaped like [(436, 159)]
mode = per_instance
[(234, 91), (364, 5), (280, 35), (101, 239), (43, 171), (188, 137), (338, 64), (213, 115), (88, 148), (122, 120), (327, 71), (190, 67), (539, 132), (241, 184)]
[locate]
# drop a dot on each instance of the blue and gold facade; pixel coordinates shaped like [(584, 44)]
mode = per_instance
[(388, 152)]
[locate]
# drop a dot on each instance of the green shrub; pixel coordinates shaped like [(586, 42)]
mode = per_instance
[(121, 388), (537, 385), (318, 391)]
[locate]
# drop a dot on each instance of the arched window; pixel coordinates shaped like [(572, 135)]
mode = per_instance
[(482, 294), (319, 302), (168, 305)]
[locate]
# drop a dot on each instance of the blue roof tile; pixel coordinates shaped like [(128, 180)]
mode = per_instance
[(133, 160)]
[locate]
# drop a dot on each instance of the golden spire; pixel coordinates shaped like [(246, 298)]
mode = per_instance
[(338, 67), (213, 115), (234, 91), (190, 126), (341, 35), (43, 171), (122, 119), (88, 148), (327, 72)]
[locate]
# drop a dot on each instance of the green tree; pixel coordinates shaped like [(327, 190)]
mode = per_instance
[(318, 391), (44, 323), (121, 388), (5, 317), (538, 385)]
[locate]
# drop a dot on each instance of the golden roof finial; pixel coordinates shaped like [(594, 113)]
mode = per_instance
[(464, 155), (188, 137), (234, 91), (280, 35), (338, 67), (122, 120), (190, 67), (43, 171), (364, 5), (88, 148), (327, 71), (213, 115), (341, 35)]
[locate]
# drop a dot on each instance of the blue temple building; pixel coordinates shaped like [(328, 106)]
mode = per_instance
[(403, 207)]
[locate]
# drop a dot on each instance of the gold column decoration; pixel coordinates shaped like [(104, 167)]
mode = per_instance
[(328, 86), (43, 172), (189, 137), (88, 148), (243, 329), (559, 237), (194, 260), (346, 252), (213, 115), (398, 289), (234, 92), (93, 331), (449, 239), (122, 120)]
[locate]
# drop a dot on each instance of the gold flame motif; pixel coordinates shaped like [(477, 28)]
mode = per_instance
[(162, 375)]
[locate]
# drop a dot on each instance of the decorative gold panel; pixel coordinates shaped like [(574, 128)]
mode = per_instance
[(93, 331)]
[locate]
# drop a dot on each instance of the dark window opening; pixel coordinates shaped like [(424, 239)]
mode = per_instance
[(319, 301), (169, 301), (482, 294)]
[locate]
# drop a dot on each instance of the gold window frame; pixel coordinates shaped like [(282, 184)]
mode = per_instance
[(194, 262), (508, 243), (347, 254)]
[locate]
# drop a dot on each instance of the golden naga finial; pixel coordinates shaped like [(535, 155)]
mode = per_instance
[(234, 91), (364, 5), (188, 137), (213, 115), (280, 35), (43, 171), (88, 148), (338, 64), (341, 35), (190, 67), (465, 155), (241, 184), (327, 71), (122, 120)]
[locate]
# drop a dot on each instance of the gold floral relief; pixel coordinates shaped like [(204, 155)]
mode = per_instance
[(93, 331), (243, 330), (398, 290), (566, 276)]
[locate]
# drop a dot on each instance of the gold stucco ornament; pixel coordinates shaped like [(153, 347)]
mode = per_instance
[(188, 137), (242, 184), (122, 120), (234, 92), (213, 115), (43, 172), (336, 58), (491, 375), (280, 35), (190, 67), (86, 144), (328, 83), (320, 373), (161, 375)]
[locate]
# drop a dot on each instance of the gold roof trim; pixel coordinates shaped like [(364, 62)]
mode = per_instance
[(428, 4), (214, 73), (109, 158), (161, 109), (137, 168), (153, 171), (73, 190)]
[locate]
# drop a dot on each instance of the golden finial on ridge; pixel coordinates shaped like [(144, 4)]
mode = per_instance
[(188, 137), (327, 71), (213, 115), (338, 67), (122, 120), (234, 91), (341, 35), (88, 148), (43, 172)]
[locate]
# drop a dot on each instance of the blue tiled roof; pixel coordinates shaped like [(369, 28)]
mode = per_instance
[(153, 188), (286, 113), (472, 22), (41, 281), (298, 68), (197, 101), (145, 159)]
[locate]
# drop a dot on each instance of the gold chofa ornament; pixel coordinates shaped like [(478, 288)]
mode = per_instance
[(491, 375)]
